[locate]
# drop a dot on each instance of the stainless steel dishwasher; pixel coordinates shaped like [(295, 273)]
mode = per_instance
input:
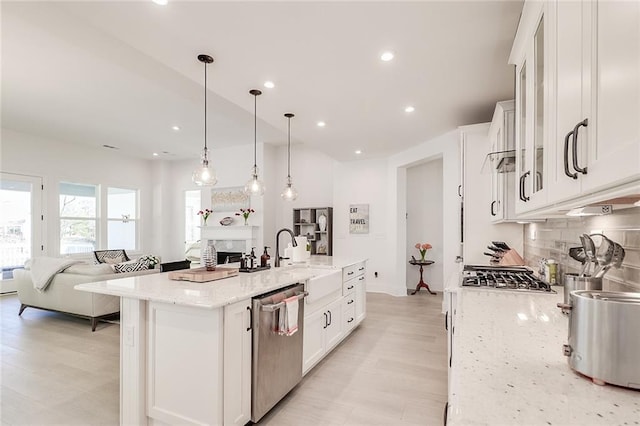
[(277, 359)]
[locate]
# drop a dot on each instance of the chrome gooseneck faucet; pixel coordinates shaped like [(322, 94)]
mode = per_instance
[(293, 240)]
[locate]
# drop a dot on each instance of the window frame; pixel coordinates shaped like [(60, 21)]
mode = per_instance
[(102, 218)]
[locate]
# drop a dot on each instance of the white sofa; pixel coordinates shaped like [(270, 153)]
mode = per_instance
[(62, 297)]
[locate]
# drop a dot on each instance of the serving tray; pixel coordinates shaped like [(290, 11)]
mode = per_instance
[(201, 275)]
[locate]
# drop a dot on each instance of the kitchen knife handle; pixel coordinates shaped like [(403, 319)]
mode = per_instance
[(584, 123), (566, 157)]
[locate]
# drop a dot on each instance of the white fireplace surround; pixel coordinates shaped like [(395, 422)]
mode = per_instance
[(230, 238)]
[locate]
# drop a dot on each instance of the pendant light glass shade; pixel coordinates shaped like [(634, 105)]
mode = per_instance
[(204, 175), (289, 193), (254, 186)]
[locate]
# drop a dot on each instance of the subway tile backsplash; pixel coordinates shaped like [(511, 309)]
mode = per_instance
[(553, 238)]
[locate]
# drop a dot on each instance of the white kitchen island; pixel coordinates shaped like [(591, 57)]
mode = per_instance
[(508, 367), (185, 347)]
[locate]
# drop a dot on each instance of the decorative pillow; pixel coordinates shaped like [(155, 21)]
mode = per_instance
[(131, 267), (111, 256)]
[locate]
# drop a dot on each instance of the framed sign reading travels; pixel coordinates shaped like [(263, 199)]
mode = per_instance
[(359, 219), (229, 199)]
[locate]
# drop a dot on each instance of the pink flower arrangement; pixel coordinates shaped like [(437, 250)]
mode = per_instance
[(205, 214), (422, 248), (245, 213)]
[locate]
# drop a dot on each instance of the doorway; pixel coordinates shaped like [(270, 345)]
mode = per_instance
[(20, 224), (425, 222)]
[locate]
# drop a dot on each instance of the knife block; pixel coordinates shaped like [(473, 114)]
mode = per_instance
[(511, 258)]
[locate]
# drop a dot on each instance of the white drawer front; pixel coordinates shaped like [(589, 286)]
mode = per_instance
[(349, 317), (349, 287)]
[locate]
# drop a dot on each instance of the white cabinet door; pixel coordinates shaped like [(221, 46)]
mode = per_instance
[(237, 363), (361, 299), (533, 105), (614, 127), (597, 92), (314, 339), (334, 331)]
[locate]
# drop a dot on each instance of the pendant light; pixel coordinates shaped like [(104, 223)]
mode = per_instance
[(205, 175), (289, 193), (255, 185)]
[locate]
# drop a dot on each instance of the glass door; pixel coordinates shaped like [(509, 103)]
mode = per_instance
[(20, 223)]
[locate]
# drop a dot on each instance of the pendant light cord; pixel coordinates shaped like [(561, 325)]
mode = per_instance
[(255, 130), (205, 108), (289, 147)]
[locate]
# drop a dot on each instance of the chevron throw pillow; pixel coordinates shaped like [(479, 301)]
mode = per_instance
[(111, 256), (131, 266)]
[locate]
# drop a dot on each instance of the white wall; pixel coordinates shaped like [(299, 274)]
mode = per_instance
[(365, 182), (57, 161), (424, 222), (312, 173)]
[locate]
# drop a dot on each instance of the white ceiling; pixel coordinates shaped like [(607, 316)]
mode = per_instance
[(122, 73)]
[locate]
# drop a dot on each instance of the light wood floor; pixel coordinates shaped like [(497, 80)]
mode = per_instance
[(390, 371)]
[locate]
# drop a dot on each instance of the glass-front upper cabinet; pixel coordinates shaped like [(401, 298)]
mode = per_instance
[(529, 55), (538, 125)]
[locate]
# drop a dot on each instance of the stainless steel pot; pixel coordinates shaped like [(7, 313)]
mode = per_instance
[(604, 342), (574, 282)]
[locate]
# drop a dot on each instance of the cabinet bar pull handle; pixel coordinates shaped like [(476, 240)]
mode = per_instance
[(459, 189), (350, 273), (361, 279), (350, 320), (566, 157), (329, 319), (250, 318), (326, 323), (349, 288), (350, 302), (521, 188), (493, 203), (446, 321), (361, 269), (584, 123), (524, 179)]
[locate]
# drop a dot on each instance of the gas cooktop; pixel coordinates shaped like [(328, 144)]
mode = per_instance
[(503, 278)]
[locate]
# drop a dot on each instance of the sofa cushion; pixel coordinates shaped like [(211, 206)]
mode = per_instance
[(88, 269), (111, 256), (131, 266)]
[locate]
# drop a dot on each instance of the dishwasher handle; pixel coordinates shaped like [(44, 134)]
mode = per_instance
[(275, 306)]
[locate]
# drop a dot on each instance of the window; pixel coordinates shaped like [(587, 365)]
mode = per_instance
[(191, 218), (85, 226), (122, 218), (78, 218)]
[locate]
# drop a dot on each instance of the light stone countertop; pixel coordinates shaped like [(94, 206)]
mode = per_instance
[(510, 369), (212, 294)]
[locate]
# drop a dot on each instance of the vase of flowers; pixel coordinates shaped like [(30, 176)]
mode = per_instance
[(205, 215), (245, 213), (422, 248)]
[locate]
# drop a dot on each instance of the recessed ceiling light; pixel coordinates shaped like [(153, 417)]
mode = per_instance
[(269, 84), (409, 109), (161, 2), (155, 154), (321, 124), (176, 128), (386, 56), (358, 152)]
